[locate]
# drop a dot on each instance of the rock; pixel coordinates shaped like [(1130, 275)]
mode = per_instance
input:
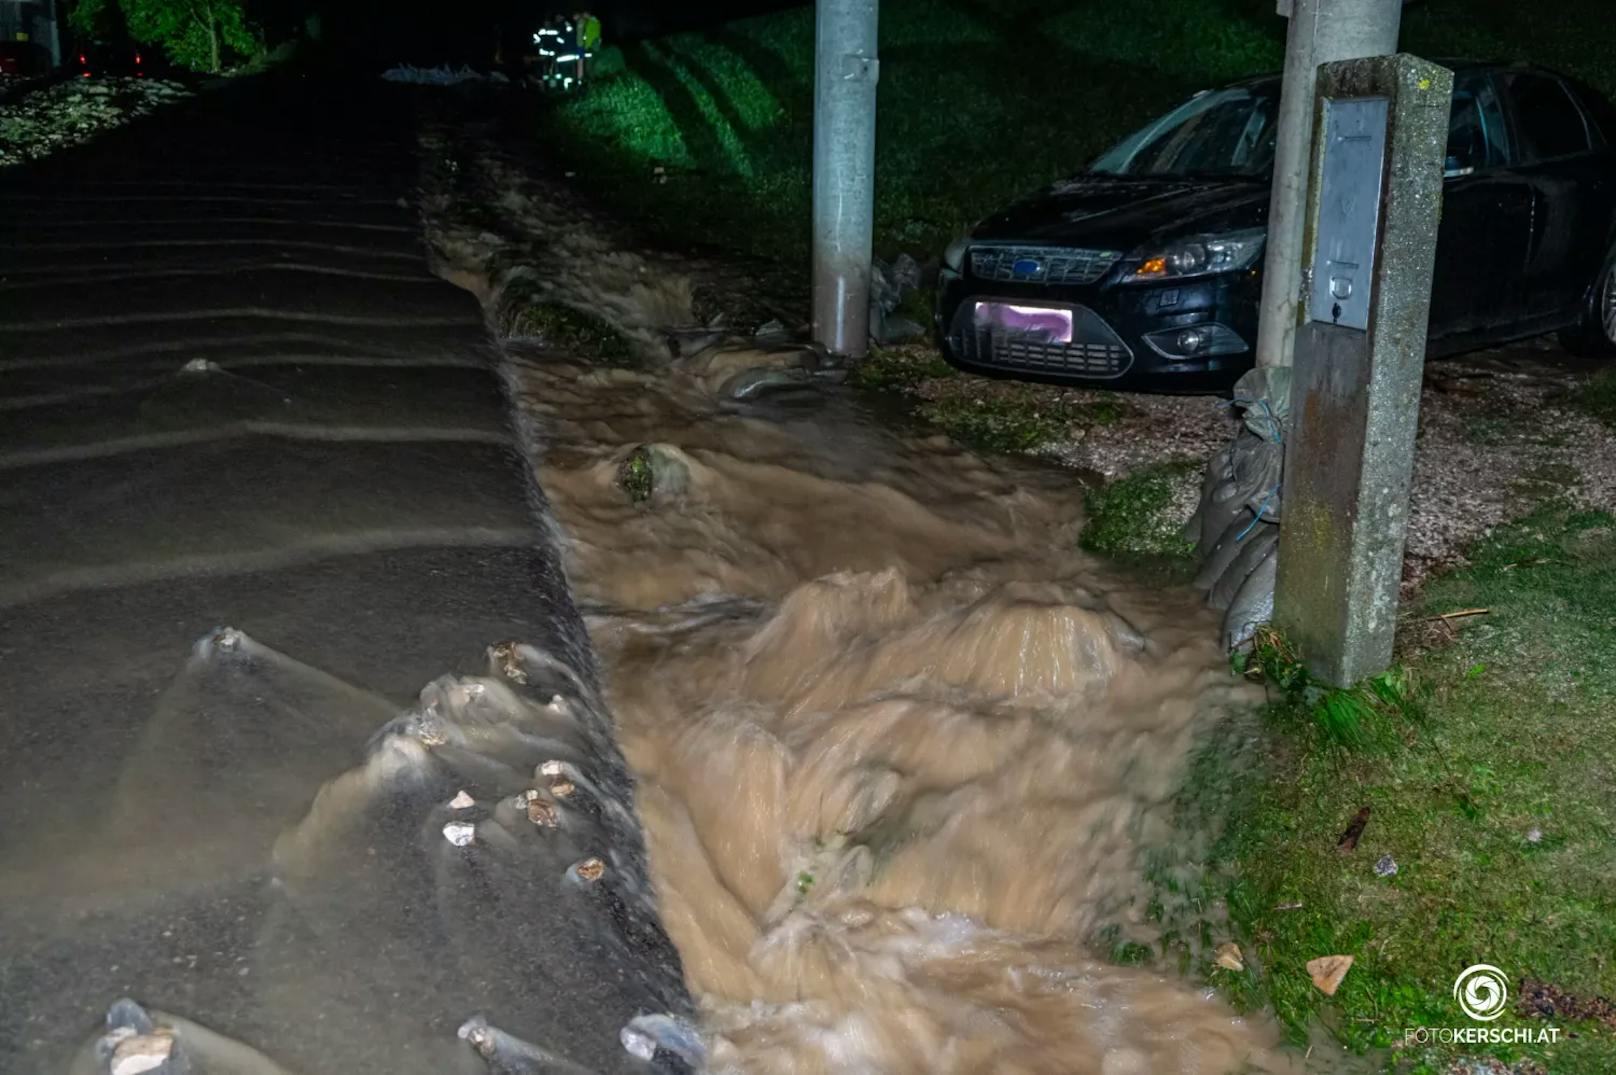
[(589, 870), (460, 833), (1229, 957), (1327, 972), (542, 813), (1385, 866), (141, 1052), (645, 1034), (461, 801)]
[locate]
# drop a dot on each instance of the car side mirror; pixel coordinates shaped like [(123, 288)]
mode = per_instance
[(1452, 169)]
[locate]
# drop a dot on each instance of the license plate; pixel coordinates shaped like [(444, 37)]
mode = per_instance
[(1046, 324)]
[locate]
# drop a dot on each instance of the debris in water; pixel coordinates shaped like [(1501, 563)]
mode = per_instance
[(136, 1053), (644, 1034), (1349, 839), (590, 869), (542, 814), (227, 638), (505, 658), (635, 477), (1229, 957), (461, 801), (200, 365), (460, 833), (430, 732), (1327, 972), (1386, 866), (560, 777)]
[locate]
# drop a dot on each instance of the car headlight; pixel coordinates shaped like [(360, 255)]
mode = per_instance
[(954, 256), (1199, 256)]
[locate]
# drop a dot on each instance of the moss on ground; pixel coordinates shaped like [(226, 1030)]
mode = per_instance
[(637, 476), (1498, 808), (566, 328), (1598, 397), (892, 369), (1134, 517)]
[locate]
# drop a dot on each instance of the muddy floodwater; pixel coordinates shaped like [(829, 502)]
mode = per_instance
[(898, 743)]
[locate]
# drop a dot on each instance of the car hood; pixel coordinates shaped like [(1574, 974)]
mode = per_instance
[(1122, 212)]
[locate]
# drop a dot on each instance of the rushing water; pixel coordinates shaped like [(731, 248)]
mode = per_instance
[(898, 743), (900, 747)]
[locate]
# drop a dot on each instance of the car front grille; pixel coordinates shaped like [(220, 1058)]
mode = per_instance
[(1041, 264), (1095, 351)]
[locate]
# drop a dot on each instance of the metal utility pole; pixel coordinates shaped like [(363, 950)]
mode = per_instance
[(845, 73), (1321, 31)]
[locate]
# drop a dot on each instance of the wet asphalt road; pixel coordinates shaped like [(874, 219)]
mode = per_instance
[(233, 394)]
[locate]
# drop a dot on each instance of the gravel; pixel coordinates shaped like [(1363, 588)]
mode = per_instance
[(65, 114), (1500, 432)]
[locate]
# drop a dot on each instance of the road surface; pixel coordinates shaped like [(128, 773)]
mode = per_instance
[(235, 397)]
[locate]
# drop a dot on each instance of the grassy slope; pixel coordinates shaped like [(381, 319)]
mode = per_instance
[(1519, 733), (980, 101)]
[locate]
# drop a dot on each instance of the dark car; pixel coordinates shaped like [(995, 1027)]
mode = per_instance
[(1146, 270), (110, 58), (23, 58)]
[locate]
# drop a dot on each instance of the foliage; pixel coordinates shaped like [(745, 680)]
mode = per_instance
[(636, 476), (995, 423), (1498, 808), (198, 34), (1133, 516), (887, 369), (565, 328)]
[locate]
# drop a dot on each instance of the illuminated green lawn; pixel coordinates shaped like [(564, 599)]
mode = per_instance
[(980, 101)]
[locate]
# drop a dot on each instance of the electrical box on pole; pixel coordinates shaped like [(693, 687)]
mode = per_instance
[(845, 74), (1375, 199), (1320, 31)]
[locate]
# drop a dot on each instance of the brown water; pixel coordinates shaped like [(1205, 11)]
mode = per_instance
[(899, 745)]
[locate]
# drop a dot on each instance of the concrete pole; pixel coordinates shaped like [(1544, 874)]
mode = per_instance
[(1321, 31), (845, 74)]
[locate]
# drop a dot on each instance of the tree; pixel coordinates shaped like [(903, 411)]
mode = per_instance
[(194, 33)]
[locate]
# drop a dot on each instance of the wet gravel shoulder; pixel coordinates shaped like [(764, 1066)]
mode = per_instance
[(1501, 431)]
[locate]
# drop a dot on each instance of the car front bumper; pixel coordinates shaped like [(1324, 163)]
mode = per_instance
[(1110, 323)]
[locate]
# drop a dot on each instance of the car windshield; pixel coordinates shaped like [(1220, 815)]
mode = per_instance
[(1219, 132)]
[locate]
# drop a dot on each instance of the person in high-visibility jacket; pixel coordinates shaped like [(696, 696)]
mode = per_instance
[(588, 27)]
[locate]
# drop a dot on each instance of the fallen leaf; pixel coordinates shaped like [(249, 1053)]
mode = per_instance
[(1349, 839), (1327, 972), (1229, 957)]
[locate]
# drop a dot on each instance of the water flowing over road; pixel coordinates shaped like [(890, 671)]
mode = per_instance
[(260, 489)]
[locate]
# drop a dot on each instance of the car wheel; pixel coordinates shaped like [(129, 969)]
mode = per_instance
[(1595, 334)]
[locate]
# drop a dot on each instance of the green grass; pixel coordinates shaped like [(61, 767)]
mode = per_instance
[(566, 328), (1518, 734), (1130, 518), (980, 101)]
